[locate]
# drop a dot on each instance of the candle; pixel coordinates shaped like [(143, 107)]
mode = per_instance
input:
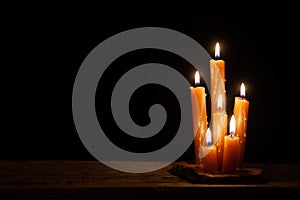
[(217, 79), (218, 102), (240, 111), (198, 96), (231, 149), (209, 151), (219, 127)]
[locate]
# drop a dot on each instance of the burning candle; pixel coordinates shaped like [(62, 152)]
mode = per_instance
[(240, 111), (219, 128), (198, 100), (218, 102), (231, 149), (217, 78), (209, 150)]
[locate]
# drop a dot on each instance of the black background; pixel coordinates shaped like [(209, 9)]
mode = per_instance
[(45, 45)]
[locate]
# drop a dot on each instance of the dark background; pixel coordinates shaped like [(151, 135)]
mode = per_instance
[(45, 46)]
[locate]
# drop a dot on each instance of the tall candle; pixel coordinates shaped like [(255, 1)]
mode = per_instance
[(198, 96), (219, 127), (240, 111), (217, 78), (209, 150), (231, 149)]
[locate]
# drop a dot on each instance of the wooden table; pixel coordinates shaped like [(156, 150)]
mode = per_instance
[(93, 180)]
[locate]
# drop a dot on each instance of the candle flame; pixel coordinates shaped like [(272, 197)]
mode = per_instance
[(219, 102), (197, 78), (217, 50), (232, 125), (243, 90), (208, 137)]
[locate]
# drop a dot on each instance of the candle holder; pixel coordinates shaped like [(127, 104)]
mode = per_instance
[(192, 173)]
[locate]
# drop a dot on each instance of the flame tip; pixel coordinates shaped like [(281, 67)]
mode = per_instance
[(232, 125), (197, 78), (217, 50), (243, 90), (208, 136)]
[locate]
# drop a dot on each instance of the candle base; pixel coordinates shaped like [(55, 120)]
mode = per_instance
[(194, 174)]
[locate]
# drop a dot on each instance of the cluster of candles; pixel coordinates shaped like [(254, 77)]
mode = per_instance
[(219, 150)]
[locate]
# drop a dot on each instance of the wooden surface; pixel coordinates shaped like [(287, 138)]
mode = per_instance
[(93, 180)]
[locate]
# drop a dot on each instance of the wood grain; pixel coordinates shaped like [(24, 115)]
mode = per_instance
[(59, 179)]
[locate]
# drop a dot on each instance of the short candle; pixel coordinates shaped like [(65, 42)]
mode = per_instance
[(231, 149), (210, 163)]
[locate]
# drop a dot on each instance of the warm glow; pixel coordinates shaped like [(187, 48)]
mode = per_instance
[(197, 78), (208, 137), (217, 50), (219, 103), (232, 125), (243, 90)]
